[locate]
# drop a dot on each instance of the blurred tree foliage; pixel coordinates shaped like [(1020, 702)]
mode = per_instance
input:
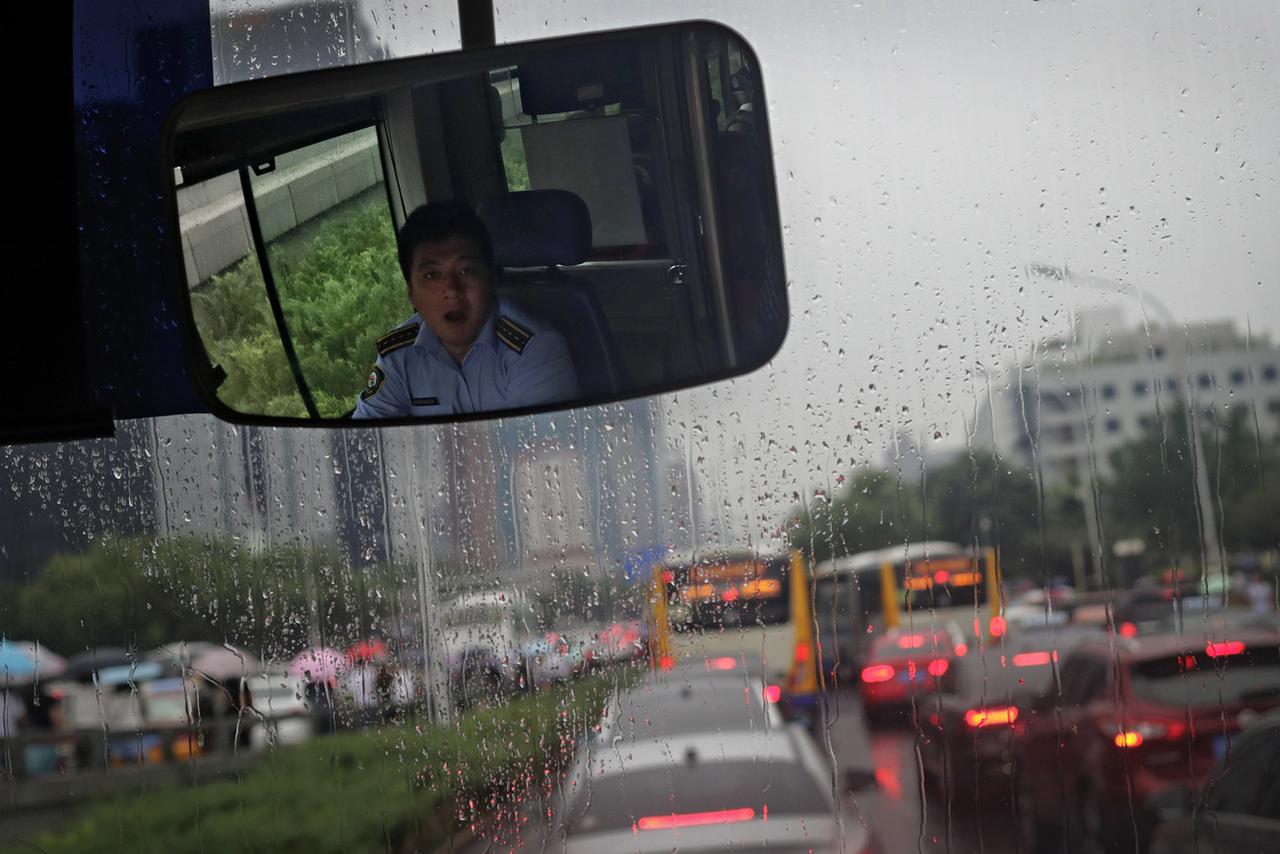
[(143, 593), (981, 499), (340, 290)]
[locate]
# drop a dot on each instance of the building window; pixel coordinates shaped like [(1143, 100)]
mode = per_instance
[(1108, 391), (1158, 352), (1113, 425), (1238, 376), (1146, 422), (1172, 385), (1273, 406), (1140, 388), (1269, 373), (1205, 381)]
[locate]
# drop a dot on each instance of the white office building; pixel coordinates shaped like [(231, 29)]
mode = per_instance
[(1076, 399)]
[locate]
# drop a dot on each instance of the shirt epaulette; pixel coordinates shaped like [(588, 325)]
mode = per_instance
[(397, 338), (512, 334)]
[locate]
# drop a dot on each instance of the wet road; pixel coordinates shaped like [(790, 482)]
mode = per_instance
[(904, 817)]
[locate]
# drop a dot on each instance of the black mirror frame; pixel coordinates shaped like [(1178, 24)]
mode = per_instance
[(200, 371)]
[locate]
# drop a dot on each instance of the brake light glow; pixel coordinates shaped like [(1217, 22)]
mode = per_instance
[(773, 693), (966, 579), (877, 673), (802, 653), (941, 577), (962, 649), (730, 595), (911, 641), (666, 662), (997, 626), (1128, 739), (1034, 659), (726, 662), (991, 717), (1219, 650), (1128, 630), (694, 819), (938, 667)]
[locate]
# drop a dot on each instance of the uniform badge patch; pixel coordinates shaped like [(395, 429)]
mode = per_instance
[(376, 378), (512, 334)]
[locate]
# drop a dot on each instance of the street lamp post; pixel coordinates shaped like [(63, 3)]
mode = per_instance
[(1208, 518)]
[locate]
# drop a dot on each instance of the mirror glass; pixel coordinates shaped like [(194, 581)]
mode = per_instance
[(512, 229)]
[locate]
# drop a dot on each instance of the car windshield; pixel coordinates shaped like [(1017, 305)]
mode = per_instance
[(1032, 352)]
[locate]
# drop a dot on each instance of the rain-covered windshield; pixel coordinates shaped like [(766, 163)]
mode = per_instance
[(1028, 402)]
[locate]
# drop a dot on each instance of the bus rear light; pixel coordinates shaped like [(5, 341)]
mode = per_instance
[(998, 626), (938, 667), (803, 653), (1034, 659), (694, 819), (1221, 650), (911, 641), (998, 716), (1128, 630), (877, 673), (941, 577)]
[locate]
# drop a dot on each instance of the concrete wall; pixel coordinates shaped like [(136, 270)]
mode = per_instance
[(215, 224)]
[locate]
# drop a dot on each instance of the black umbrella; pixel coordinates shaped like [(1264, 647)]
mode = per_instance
[(82, 666)]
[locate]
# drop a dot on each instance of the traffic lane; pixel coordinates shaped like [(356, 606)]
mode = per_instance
[(903, 815)]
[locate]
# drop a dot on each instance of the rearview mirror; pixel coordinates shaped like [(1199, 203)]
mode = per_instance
[(530, 227)]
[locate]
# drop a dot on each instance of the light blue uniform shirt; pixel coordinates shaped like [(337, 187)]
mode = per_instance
[(515, 362)]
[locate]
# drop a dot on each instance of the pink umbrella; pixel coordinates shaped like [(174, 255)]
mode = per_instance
[(321, 664)]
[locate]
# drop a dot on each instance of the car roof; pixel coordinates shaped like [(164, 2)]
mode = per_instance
[(774, 745)]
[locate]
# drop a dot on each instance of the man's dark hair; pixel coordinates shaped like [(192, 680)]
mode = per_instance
[(436, 223)]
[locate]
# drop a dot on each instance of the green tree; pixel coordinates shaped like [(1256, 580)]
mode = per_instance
[(340, 290)]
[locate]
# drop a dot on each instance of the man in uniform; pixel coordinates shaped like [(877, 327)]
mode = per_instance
[(463, 350)]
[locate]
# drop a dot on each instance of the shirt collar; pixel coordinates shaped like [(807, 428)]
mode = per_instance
[(429, 341)]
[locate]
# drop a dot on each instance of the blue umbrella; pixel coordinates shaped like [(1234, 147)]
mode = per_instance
[(16, 664)]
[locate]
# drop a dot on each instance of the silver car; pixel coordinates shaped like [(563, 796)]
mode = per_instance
[(702, 762)]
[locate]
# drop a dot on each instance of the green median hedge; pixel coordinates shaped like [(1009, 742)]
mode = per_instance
[(397, 789)]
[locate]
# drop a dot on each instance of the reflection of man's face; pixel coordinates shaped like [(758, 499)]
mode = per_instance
[(451, 287)]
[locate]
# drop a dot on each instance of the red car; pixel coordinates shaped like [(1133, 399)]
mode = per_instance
[(1131, 721), (903, 664)]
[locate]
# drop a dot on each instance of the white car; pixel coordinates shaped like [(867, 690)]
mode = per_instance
[(683, 764)]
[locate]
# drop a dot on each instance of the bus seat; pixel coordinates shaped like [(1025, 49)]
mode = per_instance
[(537, 233)]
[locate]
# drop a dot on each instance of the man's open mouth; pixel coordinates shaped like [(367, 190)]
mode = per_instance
[(456, 315)]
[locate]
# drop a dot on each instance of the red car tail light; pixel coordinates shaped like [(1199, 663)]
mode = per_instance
[(773, 693), (1129, 734), (724, 662), (911, 641), (998, 716), (1128, 630), (1126, 738), (1221, 650), (1034, 659), (877, 673), (693, 819), (938, 667)]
